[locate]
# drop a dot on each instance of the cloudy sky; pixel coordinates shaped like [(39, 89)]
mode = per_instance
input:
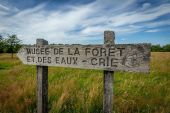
[(84, 21)]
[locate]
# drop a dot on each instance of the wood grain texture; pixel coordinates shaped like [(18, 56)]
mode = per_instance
[(109, 37), (124, 57), (42, 84)]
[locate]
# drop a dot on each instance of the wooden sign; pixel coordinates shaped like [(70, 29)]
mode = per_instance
[(125, 57), (108, 57)]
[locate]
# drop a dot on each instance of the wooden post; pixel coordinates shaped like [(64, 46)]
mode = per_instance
[(42, 84), (109, 37)]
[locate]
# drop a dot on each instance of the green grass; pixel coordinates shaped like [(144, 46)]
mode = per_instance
[(81, 91)]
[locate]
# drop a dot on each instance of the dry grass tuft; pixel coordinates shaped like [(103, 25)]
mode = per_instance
[(81, 91)]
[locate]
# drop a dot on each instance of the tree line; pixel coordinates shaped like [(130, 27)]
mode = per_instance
[(158, 48), (11, 44)]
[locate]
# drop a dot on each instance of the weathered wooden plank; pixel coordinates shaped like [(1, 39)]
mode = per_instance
[(109, 37), (42, 84), (108, 91), (125, 57)]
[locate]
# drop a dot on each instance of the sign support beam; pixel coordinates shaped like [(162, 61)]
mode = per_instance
[(42, 84), (109, 37)]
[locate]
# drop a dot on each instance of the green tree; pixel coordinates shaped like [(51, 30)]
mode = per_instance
[(2, 44), (166, 48), (13, 44), (156, 48)]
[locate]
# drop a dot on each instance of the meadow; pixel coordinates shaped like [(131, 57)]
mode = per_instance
[(81, 91)]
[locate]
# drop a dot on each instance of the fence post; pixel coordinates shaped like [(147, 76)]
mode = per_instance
[(109, 37), (42, 84)]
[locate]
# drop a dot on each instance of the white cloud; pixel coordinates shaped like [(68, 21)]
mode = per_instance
[(157, 23), (54, 24), (146, 6), (2, 7), (152, 30), (81, 21), (136, 17), (6, 9), (123, 39)]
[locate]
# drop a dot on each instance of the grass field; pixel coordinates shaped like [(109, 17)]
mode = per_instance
[(81, 91)]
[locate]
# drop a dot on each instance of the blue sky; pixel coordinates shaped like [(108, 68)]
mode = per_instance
[(84, 21)]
